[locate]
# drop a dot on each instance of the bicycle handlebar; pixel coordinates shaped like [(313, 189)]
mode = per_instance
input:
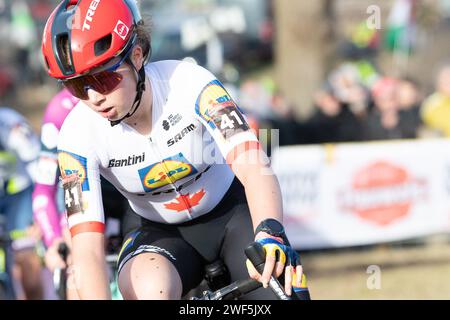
[(257, 256), (63, 250), (60, 276)]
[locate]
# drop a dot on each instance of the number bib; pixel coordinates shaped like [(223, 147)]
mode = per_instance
[(73, 196)]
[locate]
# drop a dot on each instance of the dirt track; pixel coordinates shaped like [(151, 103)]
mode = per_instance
[(407, 272)]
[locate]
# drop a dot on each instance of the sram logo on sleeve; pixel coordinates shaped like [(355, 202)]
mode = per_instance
[(70, 163), (215, 106)]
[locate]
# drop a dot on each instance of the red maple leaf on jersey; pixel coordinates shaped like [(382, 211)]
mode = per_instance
[(185, 202)]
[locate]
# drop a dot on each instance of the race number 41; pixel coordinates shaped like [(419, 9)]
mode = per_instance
[(72, 194), (230, 122), (227, 123)]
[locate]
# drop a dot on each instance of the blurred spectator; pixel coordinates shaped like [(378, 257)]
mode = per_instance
[(384, 121), (261, 100), (23, 36), (341, 105), (409, 99), (280, 106), (334, 120), (256, 98), (283, 118), (347, 86), (435, 110), (363, 43)]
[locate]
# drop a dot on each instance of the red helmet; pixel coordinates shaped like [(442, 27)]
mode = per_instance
[(94, 31)]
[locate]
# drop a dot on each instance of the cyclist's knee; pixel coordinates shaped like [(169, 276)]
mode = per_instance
[(30, 265), (28, 260), (150, 276)]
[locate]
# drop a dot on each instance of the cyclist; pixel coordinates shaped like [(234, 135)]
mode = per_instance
[(45, 206), (19, 148), (160, 133), (47, 195)]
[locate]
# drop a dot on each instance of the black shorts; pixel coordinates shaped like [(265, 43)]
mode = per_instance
[(223, 234)]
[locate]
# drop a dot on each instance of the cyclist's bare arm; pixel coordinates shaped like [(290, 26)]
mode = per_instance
[(264, 199), (89, 266), (261, 185)]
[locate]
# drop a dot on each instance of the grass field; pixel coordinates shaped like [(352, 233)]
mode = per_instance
[(420, 271)]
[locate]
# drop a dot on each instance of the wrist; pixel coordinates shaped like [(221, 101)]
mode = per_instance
[(270, 226), (264, 235), (274, 228), (55, 242)]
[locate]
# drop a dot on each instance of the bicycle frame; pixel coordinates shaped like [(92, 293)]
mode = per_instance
[(233, 291), (256, 254)]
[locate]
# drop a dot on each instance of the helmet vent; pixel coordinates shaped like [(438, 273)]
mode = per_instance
[(71, 4), (46, 63), (103, 45), (64, 53)]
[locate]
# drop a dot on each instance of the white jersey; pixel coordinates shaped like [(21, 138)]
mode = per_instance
[(177, 173)]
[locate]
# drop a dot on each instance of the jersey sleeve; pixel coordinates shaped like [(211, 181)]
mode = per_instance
[(78, 162), (47, 165), (223, 118), (45, 209)]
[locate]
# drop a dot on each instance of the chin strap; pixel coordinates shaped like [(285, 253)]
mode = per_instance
[(140, 88)]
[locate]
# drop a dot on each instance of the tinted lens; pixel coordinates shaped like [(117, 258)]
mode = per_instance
[(103, 82)]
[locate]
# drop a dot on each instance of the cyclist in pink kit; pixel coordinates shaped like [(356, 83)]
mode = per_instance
[(45, 207)]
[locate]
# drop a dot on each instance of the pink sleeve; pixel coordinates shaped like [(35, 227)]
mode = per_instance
[(46, 213), (45, 210)]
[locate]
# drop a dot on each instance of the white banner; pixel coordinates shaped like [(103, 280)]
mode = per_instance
[(357, 194)]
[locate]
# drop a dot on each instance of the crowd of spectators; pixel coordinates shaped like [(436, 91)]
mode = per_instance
[(348, 110)]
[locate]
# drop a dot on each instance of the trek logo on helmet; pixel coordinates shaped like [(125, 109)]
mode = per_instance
[(90, 15), (121, 29)]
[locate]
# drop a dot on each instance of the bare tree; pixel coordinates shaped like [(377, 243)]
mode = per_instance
[(304, 48)]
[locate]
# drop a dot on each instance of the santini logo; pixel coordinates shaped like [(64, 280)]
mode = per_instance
[(131, 160), (181, 135), (90, 14)]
